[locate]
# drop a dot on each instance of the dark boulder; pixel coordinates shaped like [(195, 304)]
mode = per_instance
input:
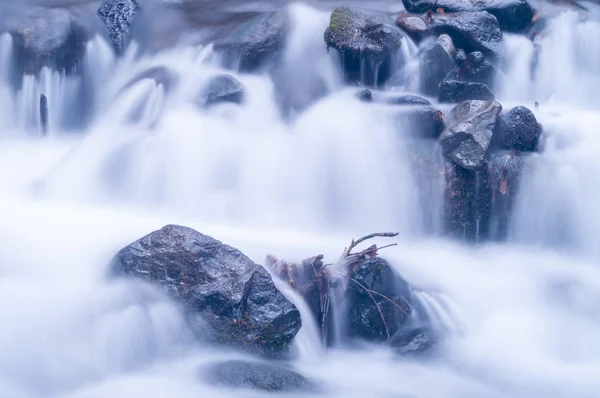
[(256, 44), (469, 80), (389, 297), (518, 129), (419, 121), (222, 89), (467, 203), (467, 139), (47, 38), (506, 171), (512, 15), (368, 46), (471, 31), (229, 299), (118, 16), (255, 376), (414, 342), (475, 67), (365, 96), (437, 59), (160, 74), (454, 91), (414, 25)]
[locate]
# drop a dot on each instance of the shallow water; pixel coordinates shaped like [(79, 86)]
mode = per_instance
[(520, 316)]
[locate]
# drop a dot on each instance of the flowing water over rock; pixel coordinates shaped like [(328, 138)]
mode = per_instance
[(298, 166)]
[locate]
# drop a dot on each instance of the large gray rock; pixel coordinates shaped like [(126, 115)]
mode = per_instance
[(518, 129), (225, 294), (469, 80), (414, 25), (255, 376), (47, 37), (513, 15), (118, 16), (368, 46), (467, 139), (255, 44), (437, 59), (471, 31), (389, 295)]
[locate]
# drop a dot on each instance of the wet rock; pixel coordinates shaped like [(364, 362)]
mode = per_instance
[(416, 341), (255, 44), (436, 60), (467, 203), (228, 298), (475, 67), (406, 99), (160, 74), (365, 96), (47, 38), (414, 25), (518, 129), (222, 89), (419, 121), (368, 46), (471, 31), (506, 171), (391, 293), (118, 16), (512, 15), (453, 91), (255, 376), (467, 139)]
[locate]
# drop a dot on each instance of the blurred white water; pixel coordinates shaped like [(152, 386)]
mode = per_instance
[(522, 316)]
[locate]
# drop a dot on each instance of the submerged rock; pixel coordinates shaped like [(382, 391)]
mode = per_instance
[(229, 299), (506, 171), (255, 44), (467, 140), (413, 342), (471, 31), (255, 376), (406, 99), (414, 25), (222, 89), (437, 59), (368, 46), (518, 129), (389, 295), (419, 121), (512, 15), (118, 17), (47, 38)]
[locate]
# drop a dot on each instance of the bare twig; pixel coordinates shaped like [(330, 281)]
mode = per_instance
[(387, 330), (391, 301), (354, 243)]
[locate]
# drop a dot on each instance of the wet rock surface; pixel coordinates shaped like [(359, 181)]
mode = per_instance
[(255, 44), (518, 129), (223, 291), (255, 376), (453, 91), (467, 140), (368, 46), (436, 60), (471, 31), (512, 15), (118, 16), (374, 292), (47, 38), (414, 25)]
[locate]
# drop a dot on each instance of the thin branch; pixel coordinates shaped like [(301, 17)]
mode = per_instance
[(387, 330), (354, 243), (391, 301)]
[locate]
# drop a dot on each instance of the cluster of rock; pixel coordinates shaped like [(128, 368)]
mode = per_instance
[(231, 301)]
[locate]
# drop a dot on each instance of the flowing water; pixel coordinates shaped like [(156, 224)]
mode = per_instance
[(121, 160)]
